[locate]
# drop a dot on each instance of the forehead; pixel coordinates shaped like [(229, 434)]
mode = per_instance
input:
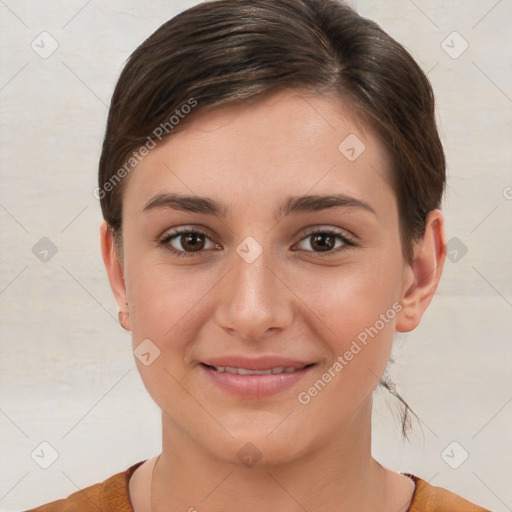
[(285, 143)]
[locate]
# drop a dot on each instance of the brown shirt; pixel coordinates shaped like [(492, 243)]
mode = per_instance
[(112, 496)]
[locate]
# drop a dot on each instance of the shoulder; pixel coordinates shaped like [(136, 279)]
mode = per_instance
[(108, 496), (428, 498)]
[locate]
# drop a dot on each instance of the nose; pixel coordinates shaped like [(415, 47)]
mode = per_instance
[(255, 300)]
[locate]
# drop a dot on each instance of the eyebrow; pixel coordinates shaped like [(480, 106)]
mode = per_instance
[(292, 205)]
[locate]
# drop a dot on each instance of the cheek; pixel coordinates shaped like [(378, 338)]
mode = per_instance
[(350, 299), (165, 309), (360, 316), (167, 304), (358, 310)]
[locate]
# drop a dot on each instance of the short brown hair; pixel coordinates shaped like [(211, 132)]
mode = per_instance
[(227, 51)]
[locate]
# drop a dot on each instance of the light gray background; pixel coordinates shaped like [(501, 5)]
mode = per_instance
[(67, 373)]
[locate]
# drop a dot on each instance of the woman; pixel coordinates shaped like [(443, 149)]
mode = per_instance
[(270, 182)]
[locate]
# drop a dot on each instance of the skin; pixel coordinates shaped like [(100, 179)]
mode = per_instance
[(286, 302)]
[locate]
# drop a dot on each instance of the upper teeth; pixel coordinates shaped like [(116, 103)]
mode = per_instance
[(244, 371)]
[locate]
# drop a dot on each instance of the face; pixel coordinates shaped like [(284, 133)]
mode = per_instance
[(260, 237)]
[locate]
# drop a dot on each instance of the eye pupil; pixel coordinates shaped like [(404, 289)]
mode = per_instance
[(326, 242), (189, 242)]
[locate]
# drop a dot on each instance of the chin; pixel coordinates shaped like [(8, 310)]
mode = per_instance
[(258, 453), (259, 445)]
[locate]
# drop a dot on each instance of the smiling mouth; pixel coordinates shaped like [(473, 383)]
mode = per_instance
[(244, 371), (266, 380)]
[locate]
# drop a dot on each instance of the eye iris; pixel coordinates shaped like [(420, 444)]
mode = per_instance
[(189, 242), (326, 241)]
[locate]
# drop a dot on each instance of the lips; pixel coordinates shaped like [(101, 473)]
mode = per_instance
[(244, 371), (256, 364), (255, 377)]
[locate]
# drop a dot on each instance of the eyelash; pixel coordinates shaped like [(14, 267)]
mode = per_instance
[(348, 242)]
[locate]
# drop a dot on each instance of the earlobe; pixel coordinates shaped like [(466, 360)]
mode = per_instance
[(422, 276), (114, 270)]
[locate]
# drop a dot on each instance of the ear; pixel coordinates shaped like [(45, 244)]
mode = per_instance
[(114, 269), (422, 276)]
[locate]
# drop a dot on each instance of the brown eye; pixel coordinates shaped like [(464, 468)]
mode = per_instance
[(192, 242), (187, 242), (323, 242), (326, 242)]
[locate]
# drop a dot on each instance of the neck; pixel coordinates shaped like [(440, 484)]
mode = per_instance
[(339, 475)]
